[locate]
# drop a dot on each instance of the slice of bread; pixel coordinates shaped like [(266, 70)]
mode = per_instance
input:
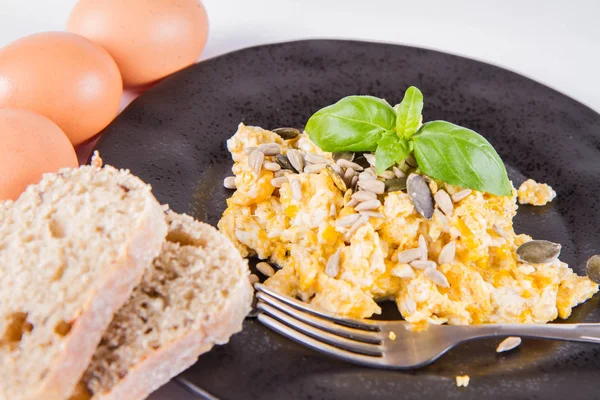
[(196, 294), (72, 248)]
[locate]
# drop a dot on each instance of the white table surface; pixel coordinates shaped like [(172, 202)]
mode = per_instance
[(553, 41)]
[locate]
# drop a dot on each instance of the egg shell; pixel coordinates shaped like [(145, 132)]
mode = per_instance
[(149, 39), (64, 77), (31, 146)]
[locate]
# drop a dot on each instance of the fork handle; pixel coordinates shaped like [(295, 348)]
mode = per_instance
[(588, 333)]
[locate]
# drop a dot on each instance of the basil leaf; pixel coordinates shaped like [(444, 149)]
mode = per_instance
[(461, 157), (355, 123), (408, 116), (390, 150)]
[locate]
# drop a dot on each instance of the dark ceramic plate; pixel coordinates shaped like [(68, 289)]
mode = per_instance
[(174, 136)]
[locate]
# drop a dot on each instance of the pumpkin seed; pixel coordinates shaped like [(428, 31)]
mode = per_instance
[(333, 264), (336, 178), (393, 185), (346, 155), (286, 133), (407, 256), (270, 149), (349, 164), (364, 196), (437, 277), (375, 186), (447, 253), (403, 271), (316, 159), (410, 161), (296, 159), (284, 162), (593, 268), (508, 344), (255, 161), (296, 188), (368, 205), (538, 251), (458, 196), (420, 195), (229, 182), (444, 202), (398, 172), (272, 166), (347, 220)]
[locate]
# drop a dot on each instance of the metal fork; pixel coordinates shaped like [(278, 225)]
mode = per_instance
[(368, 342)]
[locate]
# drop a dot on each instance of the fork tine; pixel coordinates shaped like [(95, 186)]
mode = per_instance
[(324, 348), (324, 336), (357, 324), (349, 333)]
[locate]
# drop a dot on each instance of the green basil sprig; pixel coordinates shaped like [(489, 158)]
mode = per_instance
[(444, 151)]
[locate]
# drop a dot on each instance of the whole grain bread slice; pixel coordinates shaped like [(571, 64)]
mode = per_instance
[(72, 248), (196, 294)]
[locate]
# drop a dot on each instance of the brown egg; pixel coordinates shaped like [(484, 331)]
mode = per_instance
[(31, 146), (63, 76), (149, 39)]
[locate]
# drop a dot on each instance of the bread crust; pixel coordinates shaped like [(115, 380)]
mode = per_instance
[(87, 330)]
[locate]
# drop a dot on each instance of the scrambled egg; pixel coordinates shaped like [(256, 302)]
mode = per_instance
[(488, 284), (537, 194)]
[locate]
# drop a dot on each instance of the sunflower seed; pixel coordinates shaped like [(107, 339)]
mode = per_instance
[(333, 211), (265, 269), (279, 181), (283, 172), (393, 185), (411, 306), (592, 268), (314, 168), (443, 201), (255, 161), (349, 164), (346, 155), (366, 175), (336, 178), (423, 247), (447, 253), (348, 175), (333, 264), (501, 232), (354, 182), (249, 150), (337, 169), (359, 222), (436, 277), (352, 203), (458, 196), (374, 186), (364, 196), (347, 220), (370, 158), (420, 195), (403, 271), (387, 175), (372, 214), (253, 279), (398, 172), (286, 133), (407, 256), (296, 159), (316, 159), (410, 161), (296, 188), (368, 205), (272, 166), (508, 344), (442, 220), (538, 251), (270, 149), (422, 264), (284, 162), (229, 182)]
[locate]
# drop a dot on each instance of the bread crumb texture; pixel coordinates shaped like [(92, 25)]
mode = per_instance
[(61, 243), (188, 288)]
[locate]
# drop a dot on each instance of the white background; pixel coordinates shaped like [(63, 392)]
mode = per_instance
[(556, 42)]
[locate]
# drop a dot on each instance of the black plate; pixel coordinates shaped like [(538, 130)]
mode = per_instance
[(174, 136)]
